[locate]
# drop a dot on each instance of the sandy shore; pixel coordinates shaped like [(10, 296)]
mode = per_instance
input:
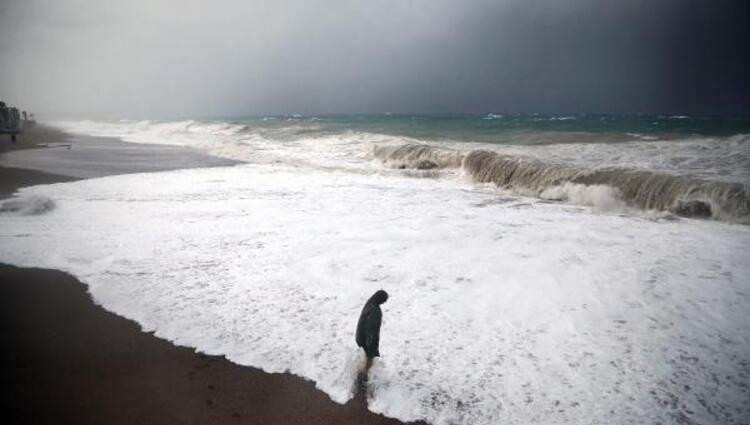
[(12, 178), (68, 361)]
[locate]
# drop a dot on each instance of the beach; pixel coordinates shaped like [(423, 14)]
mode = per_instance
[(534, 213), (531, 278), (66, 360), (11, 178)]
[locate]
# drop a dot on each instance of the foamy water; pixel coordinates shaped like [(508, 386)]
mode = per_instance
[(502, 309)]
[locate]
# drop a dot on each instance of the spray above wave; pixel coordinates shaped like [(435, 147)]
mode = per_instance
[(637, 188)]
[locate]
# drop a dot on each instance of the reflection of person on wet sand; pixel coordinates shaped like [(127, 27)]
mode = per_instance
[(368, 327)]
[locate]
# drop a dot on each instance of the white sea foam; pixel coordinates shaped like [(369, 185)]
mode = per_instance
[(602, 197), (561, 118), (502, 310)]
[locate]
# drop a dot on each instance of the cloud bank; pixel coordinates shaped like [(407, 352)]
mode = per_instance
[(185, 58)]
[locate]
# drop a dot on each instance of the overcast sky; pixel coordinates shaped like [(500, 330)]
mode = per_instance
[(151, 58)]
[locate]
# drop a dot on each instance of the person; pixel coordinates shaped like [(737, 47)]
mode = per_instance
[(368, 326)]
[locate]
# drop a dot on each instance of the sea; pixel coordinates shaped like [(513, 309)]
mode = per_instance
[(564, 269)]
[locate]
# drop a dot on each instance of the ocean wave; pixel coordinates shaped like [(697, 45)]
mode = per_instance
[(706, 158), (641, 189), (417, 156)]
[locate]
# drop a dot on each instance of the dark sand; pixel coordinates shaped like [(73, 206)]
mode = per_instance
[(31, 138), (65, 360)]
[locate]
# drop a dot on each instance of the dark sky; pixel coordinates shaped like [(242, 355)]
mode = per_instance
[(153, 58)]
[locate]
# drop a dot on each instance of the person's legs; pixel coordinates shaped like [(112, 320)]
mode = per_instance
[(361, 384)]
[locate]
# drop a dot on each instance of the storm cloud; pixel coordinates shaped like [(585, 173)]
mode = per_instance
[(185, 58)]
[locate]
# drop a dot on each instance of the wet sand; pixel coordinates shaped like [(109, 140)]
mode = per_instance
[(65, 360), (87, 156), (12, 178)]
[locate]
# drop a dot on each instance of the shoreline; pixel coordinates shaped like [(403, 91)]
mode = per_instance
[(69, 360), (14, 178)]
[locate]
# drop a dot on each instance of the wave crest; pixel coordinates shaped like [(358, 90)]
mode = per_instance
[(416, 156), (607, 188)]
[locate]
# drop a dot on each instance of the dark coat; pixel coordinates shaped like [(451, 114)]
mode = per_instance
[(368, 327)]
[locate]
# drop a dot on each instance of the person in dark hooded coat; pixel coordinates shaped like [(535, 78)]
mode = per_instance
[(368, 327)]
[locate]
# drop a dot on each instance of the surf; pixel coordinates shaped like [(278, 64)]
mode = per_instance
[(642, 189)]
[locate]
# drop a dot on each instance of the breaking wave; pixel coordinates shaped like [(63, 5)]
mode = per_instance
[(608, 187), (418, 156)]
